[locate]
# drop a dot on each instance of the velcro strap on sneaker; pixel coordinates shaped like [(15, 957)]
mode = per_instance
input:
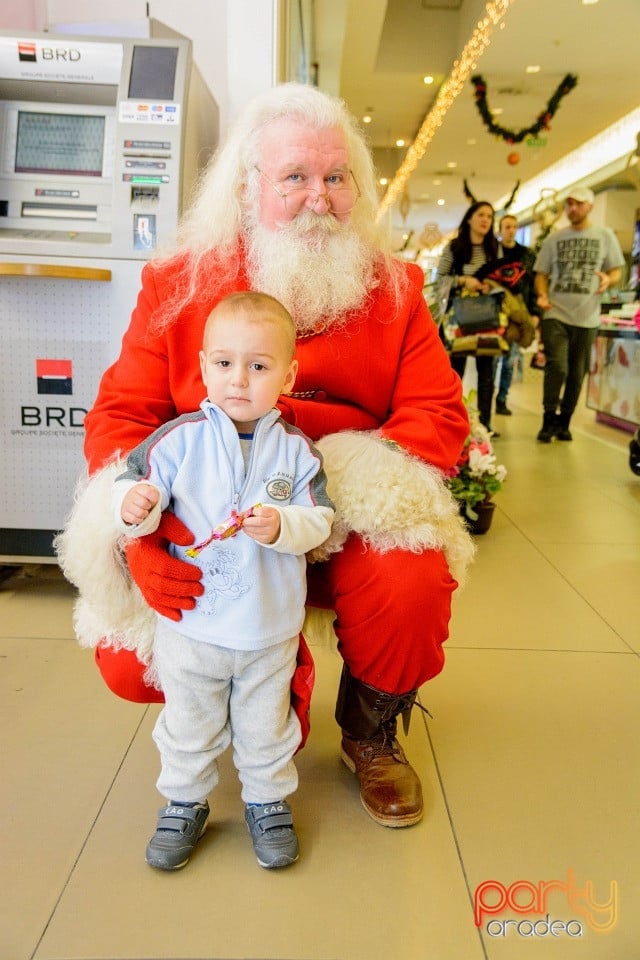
[(272, 816), (173, 818)]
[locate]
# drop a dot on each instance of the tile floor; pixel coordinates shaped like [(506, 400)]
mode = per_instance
[(530, 766)]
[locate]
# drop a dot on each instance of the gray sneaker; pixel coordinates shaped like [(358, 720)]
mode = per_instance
[(178, 830), (271, 827)]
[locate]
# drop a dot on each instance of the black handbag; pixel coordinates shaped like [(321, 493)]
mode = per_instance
[(477, 313)]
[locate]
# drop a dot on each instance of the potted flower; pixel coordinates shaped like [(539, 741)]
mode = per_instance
[(477, 476)]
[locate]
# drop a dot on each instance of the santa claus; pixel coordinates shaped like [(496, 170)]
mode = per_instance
[(288, 206)]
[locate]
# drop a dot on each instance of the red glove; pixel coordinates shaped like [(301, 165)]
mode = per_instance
[(167, 584)]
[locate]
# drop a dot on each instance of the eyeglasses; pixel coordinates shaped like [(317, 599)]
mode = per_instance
[(339, 197)]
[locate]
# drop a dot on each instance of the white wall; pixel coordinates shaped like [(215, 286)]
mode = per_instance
[(19, 15), (618, 210)]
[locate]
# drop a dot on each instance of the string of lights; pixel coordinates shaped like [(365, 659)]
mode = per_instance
[(449, 91)]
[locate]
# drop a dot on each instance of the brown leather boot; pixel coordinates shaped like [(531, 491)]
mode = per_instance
[(390, 790)]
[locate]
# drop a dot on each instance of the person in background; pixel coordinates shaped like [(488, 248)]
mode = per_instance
[(574, 267), (474, 246), (252, 490), (514, 271), (288, 206)]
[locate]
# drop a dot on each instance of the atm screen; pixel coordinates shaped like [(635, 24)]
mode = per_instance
[(60, 143), (153, 72)]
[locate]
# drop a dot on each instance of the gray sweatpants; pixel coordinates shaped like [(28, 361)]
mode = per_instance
[(214, 697)]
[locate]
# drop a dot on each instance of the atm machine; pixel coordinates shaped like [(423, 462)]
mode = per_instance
[(100, 140)]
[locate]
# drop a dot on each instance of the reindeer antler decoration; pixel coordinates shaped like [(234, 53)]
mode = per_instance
[(470, 197)]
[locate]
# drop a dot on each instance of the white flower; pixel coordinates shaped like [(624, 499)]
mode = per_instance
[(481, 463)]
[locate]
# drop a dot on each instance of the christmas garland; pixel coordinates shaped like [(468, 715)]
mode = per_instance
[(542, 120)]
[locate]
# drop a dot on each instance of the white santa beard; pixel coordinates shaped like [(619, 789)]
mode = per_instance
[(317, 267)]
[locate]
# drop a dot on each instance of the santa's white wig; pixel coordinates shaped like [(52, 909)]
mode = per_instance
[(217, 215)]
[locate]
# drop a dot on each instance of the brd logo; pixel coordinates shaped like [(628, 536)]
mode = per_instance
[(52, 416), (69, 55)]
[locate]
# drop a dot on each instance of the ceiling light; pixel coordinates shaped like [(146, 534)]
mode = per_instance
[(471, 142), (366, 118), (440, 202), (588, 3), (496, 111), (533, 68), (452, 164), (427, 80), (400, 143), (383, 181), (436, 183), (452, 87)]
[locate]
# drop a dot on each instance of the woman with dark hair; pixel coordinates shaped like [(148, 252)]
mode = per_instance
[(473, 247)]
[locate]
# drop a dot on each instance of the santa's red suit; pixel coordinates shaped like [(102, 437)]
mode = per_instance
[(379, 395)]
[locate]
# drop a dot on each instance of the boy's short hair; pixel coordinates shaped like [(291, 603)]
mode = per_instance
[(261, 306)]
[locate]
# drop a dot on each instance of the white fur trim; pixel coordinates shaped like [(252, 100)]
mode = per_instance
[(110, 608), (393, 500)]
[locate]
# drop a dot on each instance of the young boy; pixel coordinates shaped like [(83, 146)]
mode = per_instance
[(252, 490)]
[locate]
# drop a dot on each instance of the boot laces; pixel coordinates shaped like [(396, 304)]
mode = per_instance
[(392, 707), (385, 742)]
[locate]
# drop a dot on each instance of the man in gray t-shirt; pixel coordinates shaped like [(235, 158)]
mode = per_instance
[(573, 269)]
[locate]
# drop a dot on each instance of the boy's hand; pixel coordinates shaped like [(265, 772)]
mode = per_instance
[(138, 503), (263, 526)]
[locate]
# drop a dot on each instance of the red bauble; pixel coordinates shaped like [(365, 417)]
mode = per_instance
[(513, 158)]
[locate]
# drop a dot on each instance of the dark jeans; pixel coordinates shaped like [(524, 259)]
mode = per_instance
[(507, 364), (486, 367), (568, 351)]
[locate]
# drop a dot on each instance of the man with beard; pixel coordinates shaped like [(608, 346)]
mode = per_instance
[(574, 267), (288, 207)]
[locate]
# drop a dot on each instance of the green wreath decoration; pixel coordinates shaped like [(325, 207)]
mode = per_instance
[(541, 122)]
